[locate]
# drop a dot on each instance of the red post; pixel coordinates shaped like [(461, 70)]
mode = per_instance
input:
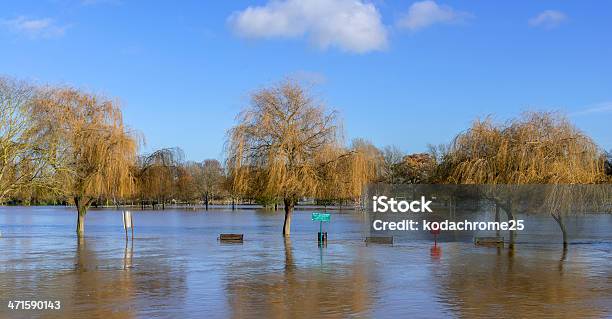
[(435, 232)]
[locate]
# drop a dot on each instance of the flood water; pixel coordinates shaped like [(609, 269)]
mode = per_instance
[(176, 268)]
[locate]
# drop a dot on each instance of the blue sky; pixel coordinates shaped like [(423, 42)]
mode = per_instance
[(407, 73)]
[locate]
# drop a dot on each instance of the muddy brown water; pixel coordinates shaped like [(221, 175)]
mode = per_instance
[(176, 268)]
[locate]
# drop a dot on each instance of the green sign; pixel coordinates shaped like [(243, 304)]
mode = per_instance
[(321, 217)]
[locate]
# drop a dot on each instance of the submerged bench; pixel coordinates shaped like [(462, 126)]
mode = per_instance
[(231, 238), (489, 241), (379, 240)]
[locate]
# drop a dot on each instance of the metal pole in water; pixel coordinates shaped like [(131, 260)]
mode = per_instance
[(321, 231)]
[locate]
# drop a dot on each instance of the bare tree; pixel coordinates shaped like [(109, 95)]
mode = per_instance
[(208, 177), (392, 158), (92, 151), (283, 146)]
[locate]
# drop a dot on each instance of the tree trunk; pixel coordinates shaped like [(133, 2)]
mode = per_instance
[(206, 201), (559, 219), (233, 204), (497, 218), (289, 204), (509, 212), (81, 212)]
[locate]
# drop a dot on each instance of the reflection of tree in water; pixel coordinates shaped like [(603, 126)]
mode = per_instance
[(97, 291), (104, 287), (297, 293), (503, 285)]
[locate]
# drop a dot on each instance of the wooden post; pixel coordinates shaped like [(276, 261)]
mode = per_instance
[(125, 226), (128, 222), (132, 224)]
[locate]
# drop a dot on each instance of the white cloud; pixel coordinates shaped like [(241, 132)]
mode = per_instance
[(548, 19), (35, 28), (350, 25), (605, 107), (426, 13)]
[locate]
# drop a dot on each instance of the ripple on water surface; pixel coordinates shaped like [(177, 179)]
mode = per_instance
[(176, 268)]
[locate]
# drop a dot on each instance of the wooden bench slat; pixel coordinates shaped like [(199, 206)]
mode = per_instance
[(489, 240), (379, 240), (231, 237)]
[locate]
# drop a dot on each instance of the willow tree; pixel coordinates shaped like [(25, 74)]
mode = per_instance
[(283, 146), (417, 168), (347, 171), (608, 165), (23, 163), (92, 151), (158, 173), (537, 148), (185, 187)]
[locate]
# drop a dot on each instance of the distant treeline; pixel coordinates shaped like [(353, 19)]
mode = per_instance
[(485, 153), (61, 145)]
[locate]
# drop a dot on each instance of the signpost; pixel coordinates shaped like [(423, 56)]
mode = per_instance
[(321, 217), (128, 222)]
